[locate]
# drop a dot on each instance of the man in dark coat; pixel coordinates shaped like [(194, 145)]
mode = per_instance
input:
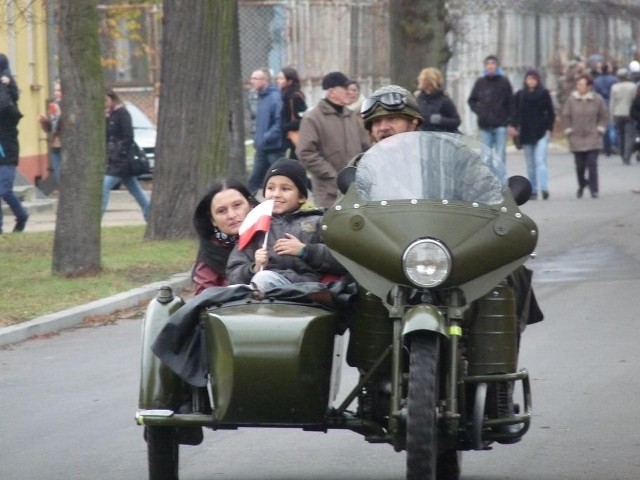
[(9, 146), (491, 99)]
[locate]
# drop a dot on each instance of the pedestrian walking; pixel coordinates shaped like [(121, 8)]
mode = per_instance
[(491, 99), (585, 118), (437, 109), (50, 123), (602, 85), (268, 139), (533, 121), (294, 105), (330, 136), (119, 153), (622, 94), (9, 146)]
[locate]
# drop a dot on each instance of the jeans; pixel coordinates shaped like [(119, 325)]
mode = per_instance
[(265, 280), (496, 139), (626, 130), (536, 156), (261, 163), (134, 188), (7, 177), (56, 160)]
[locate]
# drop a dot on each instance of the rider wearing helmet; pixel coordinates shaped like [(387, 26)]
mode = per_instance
[(390, 110)]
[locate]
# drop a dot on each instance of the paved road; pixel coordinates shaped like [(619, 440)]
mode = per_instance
[(67, 402)]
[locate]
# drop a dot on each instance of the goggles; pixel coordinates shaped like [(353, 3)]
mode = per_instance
[(392, 101)]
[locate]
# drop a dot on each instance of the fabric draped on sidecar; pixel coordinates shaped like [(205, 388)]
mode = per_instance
[(181, 345)]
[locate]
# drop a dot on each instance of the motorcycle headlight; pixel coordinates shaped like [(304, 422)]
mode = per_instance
[(426, 262)]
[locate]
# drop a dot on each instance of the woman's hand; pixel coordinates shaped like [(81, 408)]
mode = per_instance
[(4, 79), (262, 258), (289, 245)]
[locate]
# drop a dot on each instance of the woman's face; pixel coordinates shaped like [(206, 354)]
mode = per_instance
[(281, 81), (582, 86), (228, 209), (353, 92), (531, 82), (108, 102)]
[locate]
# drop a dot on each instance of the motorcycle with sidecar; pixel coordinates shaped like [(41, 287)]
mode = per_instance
[(428, 230)]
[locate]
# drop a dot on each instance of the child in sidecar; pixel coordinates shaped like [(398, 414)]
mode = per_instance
[(294, 251)]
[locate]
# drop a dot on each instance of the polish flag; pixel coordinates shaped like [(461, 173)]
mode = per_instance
[(258, 220)]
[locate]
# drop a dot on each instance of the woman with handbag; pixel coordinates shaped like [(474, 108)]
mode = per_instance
[(293, 107), (120, 152)]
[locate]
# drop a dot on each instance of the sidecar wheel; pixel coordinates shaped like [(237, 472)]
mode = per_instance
[(162, 453), (422, 399)]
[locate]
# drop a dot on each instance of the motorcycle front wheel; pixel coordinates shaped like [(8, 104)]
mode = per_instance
[(422, 398)]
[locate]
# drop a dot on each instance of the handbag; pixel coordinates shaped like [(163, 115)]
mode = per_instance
[(138, 161)]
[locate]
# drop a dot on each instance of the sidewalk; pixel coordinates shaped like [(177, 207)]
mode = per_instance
[(122, 210)]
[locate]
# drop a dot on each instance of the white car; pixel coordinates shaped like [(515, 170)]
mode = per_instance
[(144, 133)]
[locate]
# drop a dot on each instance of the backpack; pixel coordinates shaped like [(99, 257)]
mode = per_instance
[(9, 111)]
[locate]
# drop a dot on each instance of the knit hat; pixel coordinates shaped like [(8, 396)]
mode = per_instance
[(532, 72), (290, 169), (622, 73), (334, 79), (491, 58)]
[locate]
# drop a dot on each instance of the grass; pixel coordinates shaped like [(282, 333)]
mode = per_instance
[(29, 289)]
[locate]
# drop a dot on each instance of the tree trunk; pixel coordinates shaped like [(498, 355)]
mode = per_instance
[(76, 247), (418, 39), (196, 124)]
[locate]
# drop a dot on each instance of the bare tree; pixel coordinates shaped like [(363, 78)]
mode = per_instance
[(76, 247), (198, 129), (418, 38)]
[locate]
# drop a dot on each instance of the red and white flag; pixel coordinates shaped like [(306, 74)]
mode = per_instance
[(258, 220)]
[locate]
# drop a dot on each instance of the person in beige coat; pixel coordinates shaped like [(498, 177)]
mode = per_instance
[(585, 117), (330, 136)]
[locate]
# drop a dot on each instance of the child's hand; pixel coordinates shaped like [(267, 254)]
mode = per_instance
[(289, 245), (262, 258)]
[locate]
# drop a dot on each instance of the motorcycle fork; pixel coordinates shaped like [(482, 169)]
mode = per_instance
[(455, 314)]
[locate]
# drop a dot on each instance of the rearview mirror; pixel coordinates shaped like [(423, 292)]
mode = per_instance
[(345, 178), (520, 188)]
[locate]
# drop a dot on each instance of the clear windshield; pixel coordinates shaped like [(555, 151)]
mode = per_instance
[(428, 165)]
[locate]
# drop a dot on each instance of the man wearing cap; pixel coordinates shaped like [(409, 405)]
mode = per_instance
[(330, 135), (491, 99)]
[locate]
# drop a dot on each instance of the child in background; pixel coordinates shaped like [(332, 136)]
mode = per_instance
[(294, 252)]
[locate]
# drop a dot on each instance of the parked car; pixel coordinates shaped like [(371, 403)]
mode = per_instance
[(144, 132)]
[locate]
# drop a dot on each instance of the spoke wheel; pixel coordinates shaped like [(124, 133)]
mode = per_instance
[(162, 453), (422, 398)]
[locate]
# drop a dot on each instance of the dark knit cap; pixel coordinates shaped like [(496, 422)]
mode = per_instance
[(491, 58), (532, 72), (335, 79), (290, 169)]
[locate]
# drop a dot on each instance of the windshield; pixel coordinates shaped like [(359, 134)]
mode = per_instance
[(138, 117), (428, 165)]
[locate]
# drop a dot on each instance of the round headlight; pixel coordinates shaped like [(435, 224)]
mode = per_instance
[(427, 263)]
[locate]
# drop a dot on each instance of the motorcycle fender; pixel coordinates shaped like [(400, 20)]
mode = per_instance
[(424, 318)]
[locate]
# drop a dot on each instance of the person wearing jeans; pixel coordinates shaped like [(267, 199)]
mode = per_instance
[(491, 99), (119, 152), (533, 119)]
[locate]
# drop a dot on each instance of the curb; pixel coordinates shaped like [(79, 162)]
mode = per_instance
[(74, 316)]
